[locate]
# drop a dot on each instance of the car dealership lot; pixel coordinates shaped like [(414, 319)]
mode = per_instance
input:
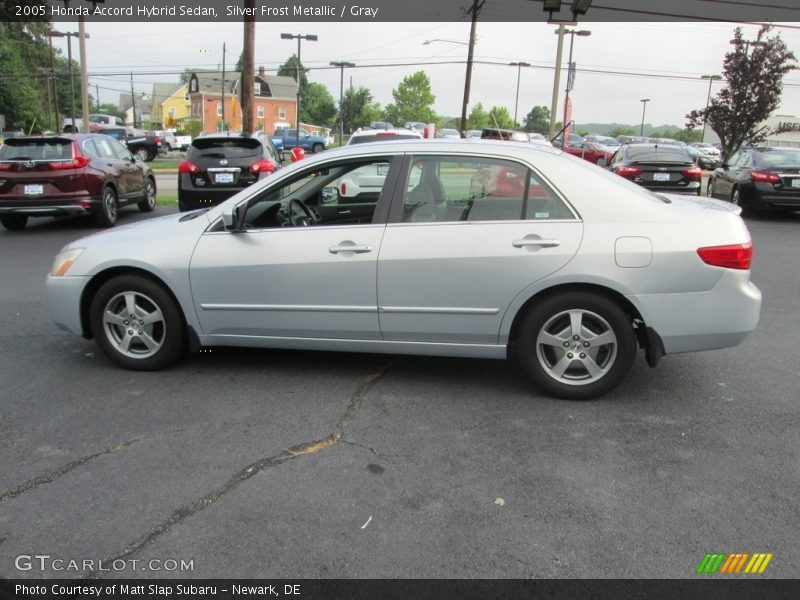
[(260, 463)]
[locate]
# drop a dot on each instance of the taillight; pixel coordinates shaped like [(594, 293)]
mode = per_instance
[(188, 167), (733, 256), (77, 162), (5, 167), (157, 140), (627, 171), (764, 177), (692, 173), (262, 166)]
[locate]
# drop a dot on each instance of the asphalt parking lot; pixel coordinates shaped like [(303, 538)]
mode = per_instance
[(258, 463)]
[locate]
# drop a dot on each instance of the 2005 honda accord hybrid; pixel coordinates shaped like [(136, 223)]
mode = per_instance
[(469, 248)]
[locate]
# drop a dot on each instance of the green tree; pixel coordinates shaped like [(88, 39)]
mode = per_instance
[(289, 69), (501, 118), (239, 63), (623, 130), (187, 73), (110, 108), (413, 101), (317, 106), (478, 117), (538, 120), (359, 108), (754, 75)]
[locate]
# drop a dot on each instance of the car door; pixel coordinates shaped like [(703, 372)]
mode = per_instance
[(105, 151), (278, 281), (726, 176), (134, 175), (466, 235)]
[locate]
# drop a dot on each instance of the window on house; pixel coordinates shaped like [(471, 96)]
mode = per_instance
[(260, 112), (282, 113), (219, 109), (193, 85), (257, 88), (172, 112)]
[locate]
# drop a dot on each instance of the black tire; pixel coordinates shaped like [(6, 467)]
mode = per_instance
[(599, 316), (317, 148), (710, 187), (150, 346), (148, 201), (14, 222), (108, 211), (601, 162), (142, 154)]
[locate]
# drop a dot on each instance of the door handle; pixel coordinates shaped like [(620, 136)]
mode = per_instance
[(349, 248), (525, 242), (345, 212)]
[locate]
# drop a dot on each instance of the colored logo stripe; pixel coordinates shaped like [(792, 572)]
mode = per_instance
[(734, 563)]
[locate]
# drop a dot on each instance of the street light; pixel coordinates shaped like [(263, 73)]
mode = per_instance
[(519, 66), (711, 79), (747, 44), (570, 76), (428, 42), (471, 48), (299, 37), (644, 102), (342, 65), (69, 35)]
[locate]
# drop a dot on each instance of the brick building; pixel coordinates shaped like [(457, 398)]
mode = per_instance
[(275, 100)]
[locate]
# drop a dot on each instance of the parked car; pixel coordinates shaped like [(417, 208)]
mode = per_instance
[(105, 120), (69, 175), (664, 168), (594, 153), (182, 140), (474, 133), (704, 161), (759, 177), (286, 139), (383, 135), (538, 138), (219, 166), (168, 142), (494, 133), (571, 291), (448, 134), (145, 147), (574, 138), (607, 141), (381, 125), (706, 148), (416, 126)]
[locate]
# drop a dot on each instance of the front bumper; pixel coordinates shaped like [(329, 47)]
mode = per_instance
[(719, 318), (64, 300)]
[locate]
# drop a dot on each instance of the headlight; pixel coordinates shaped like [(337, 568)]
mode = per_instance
[(64, 260)]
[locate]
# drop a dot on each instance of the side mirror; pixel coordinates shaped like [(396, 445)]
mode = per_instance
[(231, 218), (330, 195)]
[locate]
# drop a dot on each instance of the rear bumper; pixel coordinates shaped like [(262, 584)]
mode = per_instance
[(80, 205), (690, 188), (764, 195), (64, 300), (719, 318)]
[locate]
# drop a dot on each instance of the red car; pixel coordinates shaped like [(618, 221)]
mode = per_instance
[(596, 153), (504, 182), (63, 175)]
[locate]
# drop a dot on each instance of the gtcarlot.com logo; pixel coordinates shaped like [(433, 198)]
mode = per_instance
[(738, 563)]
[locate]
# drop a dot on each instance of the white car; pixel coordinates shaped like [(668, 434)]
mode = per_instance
[(364, 185)]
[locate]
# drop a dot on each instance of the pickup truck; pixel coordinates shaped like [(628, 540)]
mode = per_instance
[(143, 147), (285, 139)]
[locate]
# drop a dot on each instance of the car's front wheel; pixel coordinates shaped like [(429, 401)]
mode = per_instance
[(316, 148), (710, 188), (576, 345), (142, 154), (137, 324), (14, 222)]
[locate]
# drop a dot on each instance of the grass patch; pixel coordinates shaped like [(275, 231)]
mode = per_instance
[(166, 200), (162, 165)]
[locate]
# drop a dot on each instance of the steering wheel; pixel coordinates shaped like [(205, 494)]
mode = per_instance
[(299, 214)]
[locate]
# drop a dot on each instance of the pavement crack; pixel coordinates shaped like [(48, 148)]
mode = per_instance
[(52, 475), (263, 464)]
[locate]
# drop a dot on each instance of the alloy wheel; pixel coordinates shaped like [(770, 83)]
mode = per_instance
[(134, 325)]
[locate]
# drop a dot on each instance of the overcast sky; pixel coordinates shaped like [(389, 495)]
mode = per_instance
[(659, 49)]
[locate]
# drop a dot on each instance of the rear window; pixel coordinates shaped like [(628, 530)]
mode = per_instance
[(21, 149), (230, 147), (658, 154), (780, 158), (381, 137)]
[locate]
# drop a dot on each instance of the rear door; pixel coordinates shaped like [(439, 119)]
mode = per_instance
[(37, 169), (113, 165), (132, 173), (466, 235)]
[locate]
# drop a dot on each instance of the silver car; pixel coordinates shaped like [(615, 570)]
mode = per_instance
[(472, 250)]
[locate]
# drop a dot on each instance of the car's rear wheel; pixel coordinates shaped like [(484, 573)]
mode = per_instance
[(14, 222), (735, 196), (148, 202), (137, 323), (576, 345), (108, 211), (317, 148), (142, 154), (710, 188), (601, 162)]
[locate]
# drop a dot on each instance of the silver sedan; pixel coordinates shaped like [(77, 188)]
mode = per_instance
[(472, 249)]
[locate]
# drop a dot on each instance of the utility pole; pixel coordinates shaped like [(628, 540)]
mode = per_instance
[(519, 66), (222, 125), (133, 101), (55, 87), (248, 70), (644, 102), (97, 98), (556, 81), (71, 84), (475, 11), (711, 79), (84, 75), (341, 66), (299, 37)]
